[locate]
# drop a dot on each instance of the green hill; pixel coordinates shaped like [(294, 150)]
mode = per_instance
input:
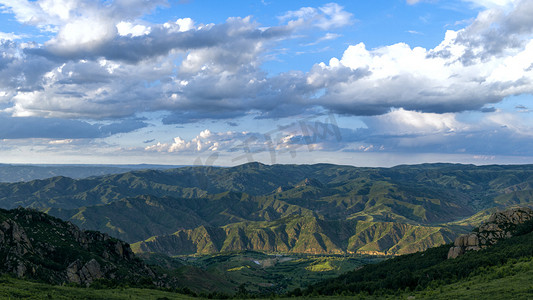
[(14, 288)]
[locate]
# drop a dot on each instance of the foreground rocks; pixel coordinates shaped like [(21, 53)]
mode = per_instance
[(500, 225), (36, 245)]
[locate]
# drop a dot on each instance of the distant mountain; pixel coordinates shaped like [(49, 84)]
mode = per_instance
[(17, 172), (138, 218), (138, 205)]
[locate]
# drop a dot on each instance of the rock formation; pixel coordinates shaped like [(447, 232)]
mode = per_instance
[(84, 274), (35, 245), (500, 225)]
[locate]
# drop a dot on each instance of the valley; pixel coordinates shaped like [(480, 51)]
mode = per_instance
[(262, 230)]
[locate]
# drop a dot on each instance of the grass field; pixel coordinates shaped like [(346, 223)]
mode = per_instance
[(11, 288), (513, 280)]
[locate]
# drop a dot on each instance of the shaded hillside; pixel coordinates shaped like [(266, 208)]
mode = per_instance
[(297, 234), (35, 245)]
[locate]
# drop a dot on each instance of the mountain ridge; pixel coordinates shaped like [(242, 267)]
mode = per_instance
[(297, 234)]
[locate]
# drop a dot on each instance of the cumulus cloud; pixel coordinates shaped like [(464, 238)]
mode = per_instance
[(481, 64), (196, 71), (465, 72), (205, 141), (315, 133), (403, 122), (104, 63), (51, 15)]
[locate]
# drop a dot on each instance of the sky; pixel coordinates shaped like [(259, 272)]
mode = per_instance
[(209, 82)]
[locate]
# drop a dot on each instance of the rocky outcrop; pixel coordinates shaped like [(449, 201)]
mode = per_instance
[(309, 182), (36, 245), (499, 226), (84, 274)]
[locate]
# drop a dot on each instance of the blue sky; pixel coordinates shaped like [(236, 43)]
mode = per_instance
[(367, 83)]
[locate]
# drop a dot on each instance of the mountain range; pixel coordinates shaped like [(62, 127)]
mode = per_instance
[(281, 208), (17, 172)]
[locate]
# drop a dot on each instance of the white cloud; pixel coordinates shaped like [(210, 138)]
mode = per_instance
[(127, 28), (81, 25), (493, 133), (61, 142), (9, 36), (205, 141), (481, 64), (494, 3), (327, 37), (311, 134), (481, 3), (83, 34), (326, 17), (403, 122), (181, 25)]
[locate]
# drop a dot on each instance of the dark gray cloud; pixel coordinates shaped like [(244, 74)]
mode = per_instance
[(496, 141), (488, 109), (33, 127)]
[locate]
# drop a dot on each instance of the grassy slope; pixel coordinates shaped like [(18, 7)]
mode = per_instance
[(430, 269), (11, 288), (510, 281)]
